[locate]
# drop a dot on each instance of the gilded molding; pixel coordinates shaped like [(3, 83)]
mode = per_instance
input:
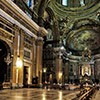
[(6, 35), (14, 8), (39, 41), (42, 31)]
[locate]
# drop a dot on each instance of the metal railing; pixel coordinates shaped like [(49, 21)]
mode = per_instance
[(86, 94)]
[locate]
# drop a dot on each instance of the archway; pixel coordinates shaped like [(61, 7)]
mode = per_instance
[(5, 67)]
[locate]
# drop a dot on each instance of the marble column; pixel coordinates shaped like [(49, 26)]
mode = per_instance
[(66, 72), (97, 67), (59, 68), (21, 55), (15, 46), (39, 47), (34, 59), (92, 71)]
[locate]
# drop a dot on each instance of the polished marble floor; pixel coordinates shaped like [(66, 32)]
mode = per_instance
[(36, 94), (96, 96)]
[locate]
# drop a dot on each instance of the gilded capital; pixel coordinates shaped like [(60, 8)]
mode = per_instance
[(39, 41)]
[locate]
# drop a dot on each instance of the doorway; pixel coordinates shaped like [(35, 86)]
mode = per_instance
[(26, 75), (5, 68)]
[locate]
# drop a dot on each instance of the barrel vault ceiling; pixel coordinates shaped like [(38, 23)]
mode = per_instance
[(78, 26)]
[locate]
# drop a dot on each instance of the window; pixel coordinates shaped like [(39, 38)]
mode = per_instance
[(29, 3), (27, 54), (64, 2), (82, 3)]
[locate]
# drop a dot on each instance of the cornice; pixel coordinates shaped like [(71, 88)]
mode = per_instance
[(12, 20), (6, 35), (14, 8), (43, 31)]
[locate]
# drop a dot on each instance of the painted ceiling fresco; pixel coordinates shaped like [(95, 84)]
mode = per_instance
[(85, 38)]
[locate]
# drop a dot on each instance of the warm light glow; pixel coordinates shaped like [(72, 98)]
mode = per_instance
[(18, 63), (44, 96), (44, 70), (60, 74), (62, 48), (60, 95), (86, 69)]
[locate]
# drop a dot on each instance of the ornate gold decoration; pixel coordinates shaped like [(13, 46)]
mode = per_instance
[(5, 34), (86, 54)]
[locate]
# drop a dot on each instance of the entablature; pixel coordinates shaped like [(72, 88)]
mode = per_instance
[(20, 18)]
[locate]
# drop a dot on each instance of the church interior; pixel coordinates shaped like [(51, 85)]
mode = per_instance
[(49, 42)]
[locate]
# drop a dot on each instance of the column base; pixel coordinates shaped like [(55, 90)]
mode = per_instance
[(40, 85), (17, 85)]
